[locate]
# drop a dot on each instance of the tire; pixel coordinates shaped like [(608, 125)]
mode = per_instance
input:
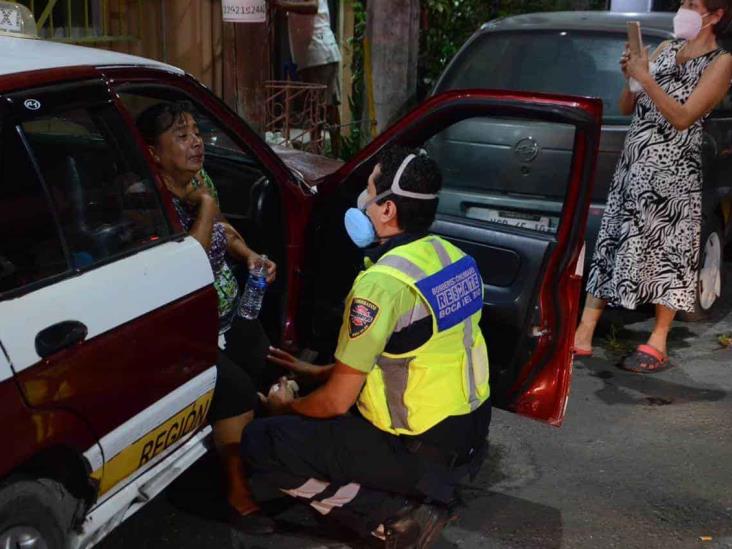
[(36, 514), (709, 283)]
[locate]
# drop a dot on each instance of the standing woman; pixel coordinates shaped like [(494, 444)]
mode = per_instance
[(647, 250)]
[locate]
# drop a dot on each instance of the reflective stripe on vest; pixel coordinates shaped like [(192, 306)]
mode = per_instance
[(395, 370), (396, 377), (467, 334)]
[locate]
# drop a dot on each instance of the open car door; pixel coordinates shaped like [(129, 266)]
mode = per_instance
[(530, 259)]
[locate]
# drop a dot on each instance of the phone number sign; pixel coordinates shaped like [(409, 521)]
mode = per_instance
[(244, 11)]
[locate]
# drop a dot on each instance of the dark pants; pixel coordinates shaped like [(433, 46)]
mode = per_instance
[(359, 475), (242, 370), (247, 345), (234, 393)]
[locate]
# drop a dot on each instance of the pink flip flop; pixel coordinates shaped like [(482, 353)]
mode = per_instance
[(582, 352), (646, 360)]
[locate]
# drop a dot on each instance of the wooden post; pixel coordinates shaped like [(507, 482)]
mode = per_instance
[(229, 65), (345, 34), (392, 31), (246, 66)]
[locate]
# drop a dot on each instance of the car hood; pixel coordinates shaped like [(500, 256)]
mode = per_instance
[(313, 167)]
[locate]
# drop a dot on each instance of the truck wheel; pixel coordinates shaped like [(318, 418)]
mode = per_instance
[(35, 514), (709, 282)]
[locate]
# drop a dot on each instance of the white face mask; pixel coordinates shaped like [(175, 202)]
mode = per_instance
[(688, 24)]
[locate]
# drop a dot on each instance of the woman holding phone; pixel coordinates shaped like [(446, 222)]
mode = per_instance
[(647, 250)]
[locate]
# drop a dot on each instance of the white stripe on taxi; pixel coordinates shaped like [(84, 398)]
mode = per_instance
[(84, 298)]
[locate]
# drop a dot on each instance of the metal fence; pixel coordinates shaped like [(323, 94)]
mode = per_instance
[(296, 114), (88, 21)]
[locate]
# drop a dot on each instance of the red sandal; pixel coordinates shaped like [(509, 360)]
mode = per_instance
[(578, 353), (646, 360)]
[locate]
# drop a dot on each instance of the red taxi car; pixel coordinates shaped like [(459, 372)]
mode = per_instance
[(108, 322)]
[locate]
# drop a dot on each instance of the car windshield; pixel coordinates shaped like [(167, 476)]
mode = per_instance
[(563, 62)]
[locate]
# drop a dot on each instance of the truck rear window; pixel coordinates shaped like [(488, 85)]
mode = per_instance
[(563, 62)]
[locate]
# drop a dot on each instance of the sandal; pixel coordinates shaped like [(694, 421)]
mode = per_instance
[(577, 352), (645, 360)]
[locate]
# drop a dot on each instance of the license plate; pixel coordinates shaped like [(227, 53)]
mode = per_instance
[(514, 219)]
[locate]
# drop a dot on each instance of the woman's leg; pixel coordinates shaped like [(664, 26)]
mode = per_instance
[(232, 409), (586, 328), (664, 318), (227, 434)]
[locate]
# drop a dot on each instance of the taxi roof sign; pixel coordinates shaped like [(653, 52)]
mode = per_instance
[(17, 20)]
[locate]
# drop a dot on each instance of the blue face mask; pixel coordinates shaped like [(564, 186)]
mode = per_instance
[(358, 224)]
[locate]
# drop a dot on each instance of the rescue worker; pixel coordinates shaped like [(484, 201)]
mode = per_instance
[(410, 355)]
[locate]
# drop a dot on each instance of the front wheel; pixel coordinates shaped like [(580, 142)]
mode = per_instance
[(709, 281), (35, 514)]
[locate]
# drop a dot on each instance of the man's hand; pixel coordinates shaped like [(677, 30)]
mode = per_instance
[(279, 399), (253, 260), (295, 365)]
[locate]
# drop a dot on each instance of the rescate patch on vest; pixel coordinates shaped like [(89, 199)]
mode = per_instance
[(361, 316), (454, 293)]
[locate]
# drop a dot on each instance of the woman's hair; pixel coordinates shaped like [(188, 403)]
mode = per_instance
[(714, 5), (159, 118), (422, 175)]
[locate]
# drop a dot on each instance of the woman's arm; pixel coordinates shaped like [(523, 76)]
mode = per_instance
[(202, 228), (207, 211), (627, 98), (236, 246), (710, 90)]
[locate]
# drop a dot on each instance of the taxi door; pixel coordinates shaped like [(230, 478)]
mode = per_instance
[(530, 262), (107, 310)]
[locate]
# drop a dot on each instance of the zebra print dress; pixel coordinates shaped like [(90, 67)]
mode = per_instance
[(647, 250)]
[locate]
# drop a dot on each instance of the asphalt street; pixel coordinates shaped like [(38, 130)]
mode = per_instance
[(641, 461)]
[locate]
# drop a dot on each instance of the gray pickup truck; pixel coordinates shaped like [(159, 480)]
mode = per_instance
[(573, 53)]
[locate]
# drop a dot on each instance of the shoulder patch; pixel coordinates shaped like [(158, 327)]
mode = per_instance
[(361, 316)]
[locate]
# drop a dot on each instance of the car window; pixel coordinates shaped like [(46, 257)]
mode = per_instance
[(508, 171), (100, 188), (30, 249), (574, 63)]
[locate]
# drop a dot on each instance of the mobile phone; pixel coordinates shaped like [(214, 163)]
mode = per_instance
[(635, 41)]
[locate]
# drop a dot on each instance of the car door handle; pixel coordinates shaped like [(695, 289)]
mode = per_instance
[(60, 336)]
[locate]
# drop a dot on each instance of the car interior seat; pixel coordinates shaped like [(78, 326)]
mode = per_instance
[(87, 242)]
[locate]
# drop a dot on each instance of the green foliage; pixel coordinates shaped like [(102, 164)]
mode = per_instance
[(447, 24), (352, 143)]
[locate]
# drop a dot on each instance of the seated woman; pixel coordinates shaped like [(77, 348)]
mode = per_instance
[(171, 133)]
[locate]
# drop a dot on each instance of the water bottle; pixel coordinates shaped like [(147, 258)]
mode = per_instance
[(251, 299)]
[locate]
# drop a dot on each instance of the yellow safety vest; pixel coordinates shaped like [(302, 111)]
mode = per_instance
[(448, 375)]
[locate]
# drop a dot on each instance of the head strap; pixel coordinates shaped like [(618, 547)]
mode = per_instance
[(397, 190)]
